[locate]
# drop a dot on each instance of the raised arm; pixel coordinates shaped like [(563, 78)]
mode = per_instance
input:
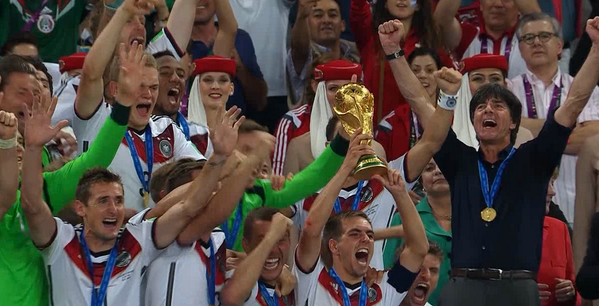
[(360, 22), (224, 43), (388, 233), (416, 243), (224, 138), (238, 289), (308, 248), (38, 132), (300, 35), (9, 180), (584, 82), (449, 81), (390, 35), (449, 27)]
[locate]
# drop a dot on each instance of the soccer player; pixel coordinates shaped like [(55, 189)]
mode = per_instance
[(266, 239), (348, 244)]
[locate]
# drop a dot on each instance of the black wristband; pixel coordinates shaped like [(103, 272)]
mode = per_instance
[(120, 113), (395, 55), (340, 145)]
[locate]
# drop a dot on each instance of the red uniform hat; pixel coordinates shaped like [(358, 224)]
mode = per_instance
[(71, 62), (337, 70), (484, 60), (215, 63)]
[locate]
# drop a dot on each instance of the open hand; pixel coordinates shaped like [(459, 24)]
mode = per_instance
[(224, 135), (393, 181), (449, 80), (130, 73), (593, 29), (390, 34), (38, 130)]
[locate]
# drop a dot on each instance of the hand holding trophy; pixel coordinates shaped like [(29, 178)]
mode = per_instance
[(354, 106)]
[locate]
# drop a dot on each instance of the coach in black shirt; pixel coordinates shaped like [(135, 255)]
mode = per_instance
[(497, 235)]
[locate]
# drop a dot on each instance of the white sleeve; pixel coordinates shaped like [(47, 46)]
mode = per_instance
[(399, 164), (144, 234), (87, 130), (183, 147), (306, 281), (164, 41), (390, 295), (299, 216), (139, 217), (64, 235)]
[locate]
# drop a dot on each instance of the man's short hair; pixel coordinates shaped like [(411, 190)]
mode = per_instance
[(18, 38), (182, 173), (498, 92), (13, 64), (538, 16), (91, 177), (158, 180), (37, 62), (259, 214), (160, 54), (250, 125), (333, 229), (116, 63), (423, 51), (433, 249)]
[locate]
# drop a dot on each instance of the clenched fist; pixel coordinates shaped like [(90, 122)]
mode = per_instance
[(8, 125), (449, 80), (593, 29), (390, 34)]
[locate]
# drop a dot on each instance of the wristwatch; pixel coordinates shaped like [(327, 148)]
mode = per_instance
[(395, 55)]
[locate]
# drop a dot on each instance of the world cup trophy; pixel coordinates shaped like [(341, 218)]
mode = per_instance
[(354, 106)]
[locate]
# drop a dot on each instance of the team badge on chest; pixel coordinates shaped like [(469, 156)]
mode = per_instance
[(123, 260), (45, 23), (367, 195), (166, 148)]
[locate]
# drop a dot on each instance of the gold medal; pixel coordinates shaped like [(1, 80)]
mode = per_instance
[(146, 198), (488, 214)]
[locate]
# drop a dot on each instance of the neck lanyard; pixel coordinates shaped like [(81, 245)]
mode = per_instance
[(99, 295), (343, 290), (34, 17), (211, 276), (485, 49), (415, 131), (356, 202), (530, 98), (183, 124), (489, 195), (270, 300), (143, 178), (231, 236)]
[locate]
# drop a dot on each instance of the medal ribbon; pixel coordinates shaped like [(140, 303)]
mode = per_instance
[(343, 290), (489, 195), (34, 17), (270, 300), (356, 202), (145, 181), (508, 47), (211, 276), (99, 295), (556, 97), (415, 131), (184, 125), (231, 236)]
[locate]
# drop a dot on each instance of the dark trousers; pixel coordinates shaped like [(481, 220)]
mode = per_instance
[(461, 291)]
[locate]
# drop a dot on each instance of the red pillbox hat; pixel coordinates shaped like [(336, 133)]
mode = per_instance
[(71, 62), (215, 63), (337, 70), (484, 60)]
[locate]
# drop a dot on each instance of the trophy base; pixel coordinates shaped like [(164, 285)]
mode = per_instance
[(369, 165)]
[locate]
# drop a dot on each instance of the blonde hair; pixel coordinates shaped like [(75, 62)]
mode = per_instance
[(116, 63)]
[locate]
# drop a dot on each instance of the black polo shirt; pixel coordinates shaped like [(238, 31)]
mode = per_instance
[(513, 240)]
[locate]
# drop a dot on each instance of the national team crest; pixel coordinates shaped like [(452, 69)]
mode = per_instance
[(372, 295), (367, 195), (123, 260), (166, 148), (45, 23)]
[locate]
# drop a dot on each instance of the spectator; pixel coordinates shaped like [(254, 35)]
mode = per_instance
[(267, 23), (543, 88), (205, 36), (317, 30), (344, 4), (587, 279), (21, 43), (419, 31), (495, 34), (70, 68), (55, 25), (556, 272)]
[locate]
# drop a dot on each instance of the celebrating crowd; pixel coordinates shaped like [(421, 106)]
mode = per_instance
[(299, 152)]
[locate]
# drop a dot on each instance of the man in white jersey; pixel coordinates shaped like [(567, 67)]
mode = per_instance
[(100, 257), (337, 276), (266, 239), (543, 88)]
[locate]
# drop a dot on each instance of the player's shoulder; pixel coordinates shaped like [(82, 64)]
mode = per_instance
[(159, 124)]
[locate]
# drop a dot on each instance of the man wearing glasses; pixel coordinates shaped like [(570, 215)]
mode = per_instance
[(543, 88)]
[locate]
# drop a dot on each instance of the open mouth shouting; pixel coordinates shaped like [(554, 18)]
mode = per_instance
[(489, 123), (143, 109), (139, 39), (271, 264), (173, 95), (109, 223), (420, 293), (362, 256)]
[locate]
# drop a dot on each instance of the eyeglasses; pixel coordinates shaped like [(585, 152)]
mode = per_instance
[(544, 37)]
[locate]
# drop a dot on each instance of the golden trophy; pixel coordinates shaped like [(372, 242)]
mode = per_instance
[(354, 106)]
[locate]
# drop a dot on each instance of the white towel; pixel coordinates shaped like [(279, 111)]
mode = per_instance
[(462, 125), (319, 118), (195, 107)]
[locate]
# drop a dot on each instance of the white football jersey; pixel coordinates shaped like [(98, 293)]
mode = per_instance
[(178, 276), (318, 288), (256, 298), (69, 279), (375, 201), (199, 135), (169, 143)]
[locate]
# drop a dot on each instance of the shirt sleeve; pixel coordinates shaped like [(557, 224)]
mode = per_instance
[(64, 235), (309, 180), (183, 147), (144, 233), (282, 133), (400, 165), (164, 41), (306, 281), (248, 55), (400, 278), (360, 21), (62, 183), (392, 296)]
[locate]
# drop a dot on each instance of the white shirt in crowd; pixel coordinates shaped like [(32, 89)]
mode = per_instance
[(565, 185)]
